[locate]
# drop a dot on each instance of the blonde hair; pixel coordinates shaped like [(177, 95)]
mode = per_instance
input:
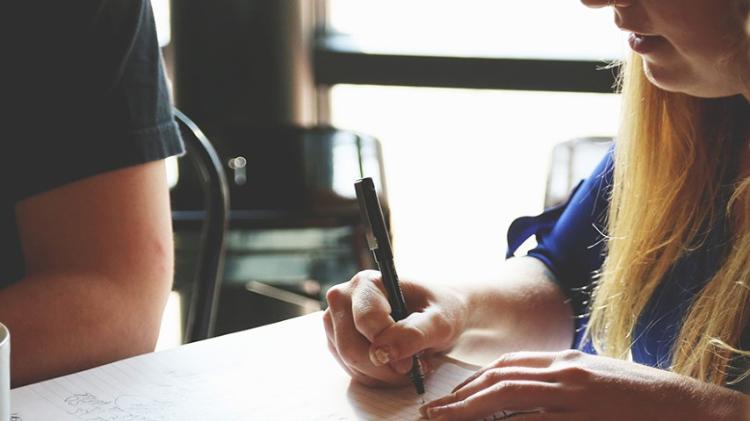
[(673, 154)]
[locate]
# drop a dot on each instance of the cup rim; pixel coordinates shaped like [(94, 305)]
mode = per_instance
[(4, 335)]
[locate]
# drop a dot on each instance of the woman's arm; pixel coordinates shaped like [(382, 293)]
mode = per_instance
[(572, 386), (99, 262), (524, 309)]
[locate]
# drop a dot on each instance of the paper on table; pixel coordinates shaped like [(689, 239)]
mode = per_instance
[(107, 394), (253, 375), (403, 404)]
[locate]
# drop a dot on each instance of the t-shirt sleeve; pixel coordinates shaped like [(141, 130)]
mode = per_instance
[(570, 240), (87, 94)]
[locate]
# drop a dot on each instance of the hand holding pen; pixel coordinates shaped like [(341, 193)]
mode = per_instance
[(372, 347), (380, 244)]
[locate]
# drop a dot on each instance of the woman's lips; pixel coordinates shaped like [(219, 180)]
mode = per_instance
[(644, 44)]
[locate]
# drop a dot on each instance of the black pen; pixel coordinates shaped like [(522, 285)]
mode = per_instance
[(380, 244)]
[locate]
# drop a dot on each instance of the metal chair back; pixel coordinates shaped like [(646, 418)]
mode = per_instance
[(201, 310)]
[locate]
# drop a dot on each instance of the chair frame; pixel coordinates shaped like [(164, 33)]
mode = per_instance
[(201, 311)]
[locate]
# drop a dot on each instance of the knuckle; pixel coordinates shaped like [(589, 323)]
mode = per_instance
[(492, 376), (500, 361), (515, 388), (574, 373), (443, 324), (413, 333), (505, 387), (364, 277), (336, 296), (570, 355), (357, 280), (506, 359)]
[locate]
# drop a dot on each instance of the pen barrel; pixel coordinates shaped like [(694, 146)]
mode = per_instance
[(417, 374), (398, 309), (392, 288)]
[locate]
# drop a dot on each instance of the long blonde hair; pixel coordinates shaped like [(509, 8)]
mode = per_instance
[(673, 155)]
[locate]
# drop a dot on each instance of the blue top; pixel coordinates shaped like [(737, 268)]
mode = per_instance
[(571, 244)]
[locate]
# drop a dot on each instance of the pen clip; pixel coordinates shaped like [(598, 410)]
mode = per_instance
[(368, 204)]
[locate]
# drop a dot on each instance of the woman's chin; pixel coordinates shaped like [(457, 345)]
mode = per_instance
[(679, 79)]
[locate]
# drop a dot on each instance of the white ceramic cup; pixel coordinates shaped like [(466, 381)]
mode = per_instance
[(4, 373)]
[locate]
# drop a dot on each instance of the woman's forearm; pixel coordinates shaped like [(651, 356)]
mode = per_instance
[(523, 310)]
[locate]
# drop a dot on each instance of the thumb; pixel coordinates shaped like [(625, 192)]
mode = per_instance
[(427, 330)]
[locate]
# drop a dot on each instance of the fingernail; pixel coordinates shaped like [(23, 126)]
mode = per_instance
[(380, 356), (425, 412), (435, 412)]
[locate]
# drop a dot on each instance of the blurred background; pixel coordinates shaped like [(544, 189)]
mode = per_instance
[(464, 111)]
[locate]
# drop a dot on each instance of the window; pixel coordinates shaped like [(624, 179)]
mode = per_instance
[(162, 19), (551, 29), (461, 164)]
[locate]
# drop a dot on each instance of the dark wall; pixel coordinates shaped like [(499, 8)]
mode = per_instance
[(242, 73), (230, 66)]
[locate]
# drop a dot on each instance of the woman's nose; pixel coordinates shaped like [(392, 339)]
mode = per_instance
[(605, 3)]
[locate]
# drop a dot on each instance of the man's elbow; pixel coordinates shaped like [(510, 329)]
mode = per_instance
[(146, 295)]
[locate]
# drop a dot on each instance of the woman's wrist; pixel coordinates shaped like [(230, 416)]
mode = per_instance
[(737, 406), (719, 403)]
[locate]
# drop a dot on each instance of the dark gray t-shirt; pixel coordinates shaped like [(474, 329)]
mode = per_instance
[(83, 93)]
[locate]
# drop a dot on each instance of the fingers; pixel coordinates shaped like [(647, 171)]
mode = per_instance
[(352, 348), (488, 378), (548, 416), (349, 345), (595, 4), (402, 366), (512, 395), (529, 359), (528, 416), (428, 360), (370, 307), (522, 381), (537, 359), (428, 329), (356, 375), (368, 342)]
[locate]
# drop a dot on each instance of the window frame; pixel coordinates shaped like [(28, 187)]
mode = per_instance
[(337, 60)]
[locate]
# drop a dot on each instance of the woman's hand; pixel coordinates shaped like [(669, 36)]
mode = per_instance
[(571, 385), (371, 346)]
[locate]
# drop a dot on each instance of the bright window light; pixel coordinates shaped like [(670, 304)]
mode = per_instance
[(462, 164), (555, 29), (162, 17)]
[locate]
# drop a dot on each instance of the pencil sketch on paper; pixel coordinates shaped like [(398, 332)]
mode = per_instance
[(88, 407)]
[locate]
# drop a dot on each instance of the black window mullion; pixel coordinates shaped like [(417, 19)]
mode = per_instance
[(337, 62)]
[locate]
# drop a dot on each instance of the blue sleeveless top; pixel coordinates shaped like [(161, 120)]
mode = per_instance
[(571, 244)]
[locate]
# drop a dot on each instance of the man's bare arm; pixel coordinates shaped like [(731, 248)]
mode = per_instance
[(99, 265)]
